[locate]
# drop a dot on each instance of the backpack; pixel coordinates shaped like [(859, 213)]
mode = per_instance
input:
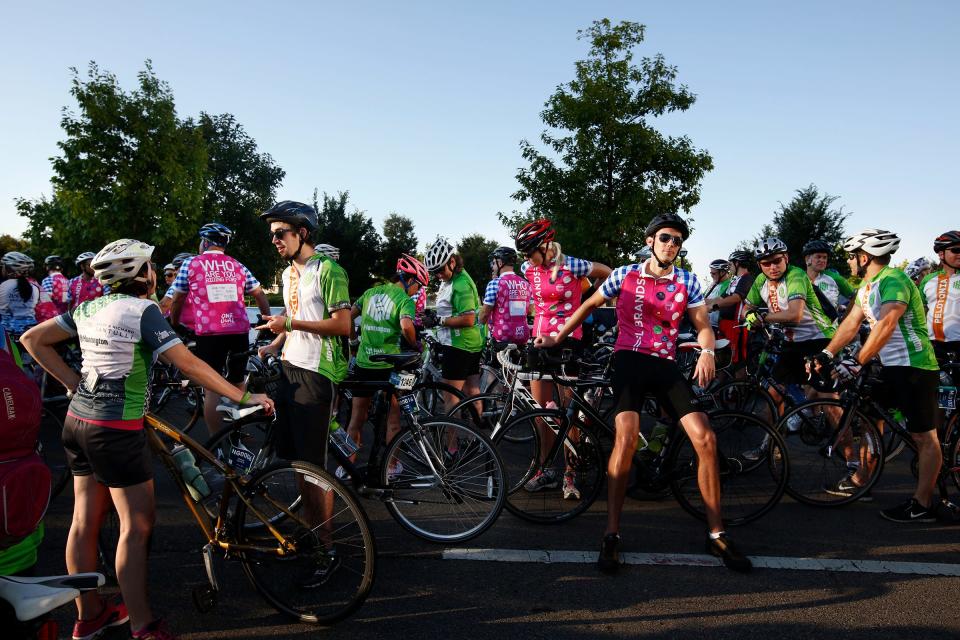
[(24, 478), (825, 304)]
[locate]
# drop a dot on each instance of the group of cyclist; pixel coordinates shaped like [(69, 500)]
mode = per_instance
[(112, 309)]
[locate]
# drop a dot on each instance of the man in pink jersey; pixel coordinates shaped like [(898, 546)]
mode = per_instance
[(84, 286), (651, 300), (215, 284), (506, 300), (56, 283)]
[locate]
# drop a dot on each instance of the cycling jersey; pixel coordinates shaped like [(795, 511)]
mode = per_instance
[(716, 292), (16, 314), (834, 287), (456, 297), (216, 284), (509, 295), (56, 284), (381, 309), (419, 304), (186, 311), (80, 289), (794, 285), (739, 285), (650, 308), (313, 296), (120, 338), (909, 344), (556, 299), (941, 297)]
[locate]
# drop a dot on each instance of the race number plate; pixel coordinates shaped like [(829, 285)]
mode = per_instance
[(403, 381), (947, 397), (408, 404)]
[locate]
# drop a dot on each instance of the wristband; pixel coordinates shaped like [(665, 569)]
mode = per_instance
[(709, 352), (245, 398), (829, 355), (288, 325)]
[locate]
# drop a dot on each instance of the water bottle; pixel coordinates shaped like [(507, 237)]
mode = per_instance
[(241, 458), (657, 438), (341, 440), (196, 484)]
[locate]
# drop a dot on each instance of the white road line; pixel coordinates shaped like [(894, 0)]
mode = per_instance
[(695, 560)]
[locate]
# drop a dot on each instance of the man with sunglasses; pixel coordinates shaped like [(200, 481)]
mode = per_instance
[(941, 297)]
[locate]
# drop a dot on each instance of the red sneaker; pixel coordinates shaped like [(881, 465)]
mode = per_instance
[(112, 615)]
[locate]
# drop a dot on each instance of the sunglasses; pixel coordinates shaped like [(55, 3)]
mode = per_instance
[(277, 234), (954, 250), (666, 237), (770, 263), (168, 274)]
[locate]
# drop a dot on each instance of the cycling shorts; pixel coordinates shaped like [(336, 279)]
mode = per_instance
[(214, 349), (362, 374), (303, 411), (459, 364), (914, 392), (116, 457), (638, 375)]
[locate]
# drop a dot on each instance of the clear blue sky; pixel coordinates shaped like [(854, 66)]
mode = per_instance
[(418, 107)]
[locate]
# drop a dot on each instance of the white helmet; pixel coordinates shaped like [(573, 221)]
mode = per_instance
[(86, 255), (328, 250), (438, 254), (916, 267), (769, 247), (17, 264), (121, 260), (876, 242)]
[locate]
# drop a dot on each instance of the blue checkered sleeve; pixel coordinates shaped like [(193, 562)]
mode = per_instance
[(695, 293), (181, 283), (490, 293), (611, 286), (249, 282)]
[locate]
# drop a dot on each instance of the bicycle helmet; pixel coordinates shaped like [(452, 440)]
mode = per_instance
[(407, 265), (179, 259), (438, 254), (17, 264), (876, 242), (120, 261), (816, 246), (916, 267), (946, 240), (53, 262), (83, 257), (506, 255), (216, 234), (296, 213), (533, 235), (719, 265), (328, 250), (170, 267), (668, 221), (769, 247), (741, 257)]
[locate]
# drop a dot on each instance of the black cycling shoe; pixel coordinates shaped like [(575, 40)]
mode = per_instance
[(724, 549), (609, 560)]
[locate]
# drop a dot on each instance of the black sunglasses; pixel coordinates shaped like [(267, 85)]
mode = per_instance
[(277, 234), (666, 237), (954, 250)]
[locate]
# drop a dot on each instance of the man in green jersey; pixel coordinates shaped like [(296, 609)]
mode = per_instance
[(837, 291), (890, 302), (386, 315), (720, 276), (941, 296)]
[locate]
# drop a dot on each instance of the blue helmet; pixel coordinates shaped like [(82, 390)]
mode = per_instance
[(216, 233), (296, 213)]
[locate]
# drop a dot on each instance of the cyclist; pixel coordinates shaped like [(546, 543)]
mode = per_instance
[(720, 275), (836, 290), (186, 313), (56, 283), (169, 275), (918, 269), (909, 379), (120, 335), (216, 284), (556, 290), (21, 298), (386, 313), (328, 250), (941, 297), (311, 333), (506, 300), (651, 299), (731, 305), (84, 286)]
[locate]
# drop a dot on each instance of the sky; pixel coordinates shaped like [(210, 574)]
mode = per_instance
[(419, 107)]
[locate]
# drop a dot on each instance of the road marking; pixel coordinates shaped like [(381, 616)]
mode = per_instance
[(696, 560)]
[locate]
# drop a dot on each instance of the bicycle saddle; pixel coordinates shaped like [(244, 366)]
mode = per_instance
[(33, 597), (405, 360)]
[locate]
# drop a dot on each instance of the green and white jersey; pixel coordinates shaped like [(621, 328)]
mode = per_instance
[(120, 338), (909, 345), (941, 297), (716, 292), (455, 298), (794, 285), (312, 296), (834, 287), (381, 309)]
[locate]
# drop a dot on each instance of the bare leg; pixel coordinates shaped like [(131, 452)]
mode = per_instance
[(627, 424), (358, 415), (91, 501), (930, 459), (135, 506), (704, 442)]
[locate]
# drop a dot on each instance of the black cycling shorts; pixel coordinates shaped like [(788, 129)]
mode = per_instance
[(791, 368), (913, 391), (459, 364), (116, 457), (575, 345), (363, 374), (214, 349), (303, 412), (638, 375)]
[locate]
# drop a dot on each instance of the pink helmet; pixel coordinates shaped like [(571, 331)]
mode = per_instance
[(408, 265)]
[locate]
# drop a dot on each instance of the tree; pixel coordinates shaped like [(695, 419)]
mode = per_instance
[(610, 171), (810, 216), (475, 251), (9, 243), (398, 238), (354, 234)]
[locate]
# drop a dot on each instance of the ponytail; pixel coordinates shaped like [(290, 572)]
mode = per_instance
[(24, 288)]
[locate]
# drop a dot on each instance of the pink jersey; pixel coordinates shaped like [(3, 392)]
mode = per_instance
[(509, 295), (81, 289), (650, 309), (555, 300), (216, 290), (56, 284)]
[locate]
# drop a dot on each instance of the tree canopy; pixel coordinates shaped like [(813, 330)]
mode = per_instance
[(351, 232), (398, 237), (475, 251)]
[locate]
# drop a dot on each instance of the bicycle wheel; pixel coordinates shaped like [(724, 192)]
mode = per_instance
[(432, 398), (746, 396), (180, 406), (820, 456), (330, 567), (50, 448), (244, 446), (446, 479), (535, 487), (753, 462)]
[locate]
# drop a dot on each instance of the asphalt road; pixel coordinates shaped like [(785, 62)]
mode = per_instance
[(418, 594)]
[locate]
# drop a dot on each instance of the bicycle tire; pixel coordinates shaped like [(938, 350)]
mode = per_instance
[(279, 580), (749, 489), (50, 448), (746, 396), (466, 410), (816, 464), (180, 406), (431, 398), (519, 444), (472, 479)]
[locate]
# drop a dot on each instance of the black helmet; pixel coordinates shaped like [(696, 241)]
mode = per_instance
[(668, 221), (216, 233), (740, 256), (53, 262), (506, 255), (297, 213), (946, 240), (816, 246)]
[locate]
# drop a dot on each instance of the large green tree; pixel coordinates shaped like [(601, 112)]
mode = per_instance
[(606, 170), (351, 232), (398, 237), (475, 251)]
